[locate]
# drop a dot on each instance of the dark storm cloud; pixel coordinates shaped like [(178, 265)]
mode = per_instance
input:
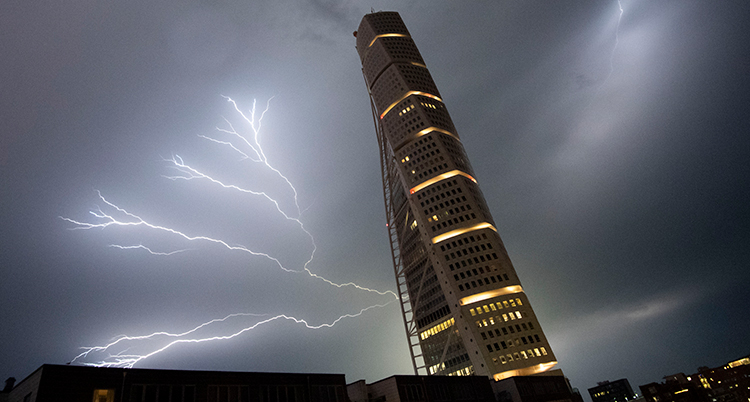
[(617, 176)]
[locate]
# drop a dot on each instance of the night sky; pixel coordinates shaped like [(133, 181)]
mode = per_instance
[(614, 157)]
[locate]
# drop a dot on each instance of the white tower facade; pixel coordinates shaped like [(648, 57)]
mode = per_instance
[(463, 306)]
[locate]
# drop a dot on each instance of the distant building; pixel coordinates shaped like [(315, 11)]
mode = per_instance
[(674, 389), (728, 383), (612, 391), (79, 383)]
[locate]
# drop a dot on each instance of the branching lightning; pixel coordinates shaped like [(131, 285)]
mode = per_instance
[(123, 359), (110, 215)]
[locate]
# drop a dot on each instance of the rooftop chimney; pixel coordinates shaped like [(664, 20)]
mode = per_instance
[(9, 384)]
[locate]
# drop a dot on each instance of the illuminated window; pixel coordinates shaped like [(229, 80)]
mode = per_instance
[(519, 302), (104, 395), (505, 317), (492, 307), (512, 303), (536, 350), (544, 351), (518, 314), (505, 303), (486, 310)]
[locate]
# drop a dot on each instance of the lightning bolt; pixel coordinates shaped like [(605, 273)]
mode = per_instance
[(128, 360), (141, 246), (110, 215), (617, 41)]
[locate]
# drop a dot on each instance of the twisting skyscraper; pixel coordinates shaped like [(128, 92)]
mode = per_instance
[(463, 306)]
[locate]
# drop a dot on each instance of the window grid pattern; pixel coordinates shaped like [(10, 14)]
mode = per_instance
[(393, 84), (452, 204), (475, 263), (378, 24), (388, 50), (414, 114)]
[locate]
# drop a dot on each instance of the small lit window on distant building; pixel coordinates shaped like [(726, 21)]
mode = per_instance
[(104, 395)]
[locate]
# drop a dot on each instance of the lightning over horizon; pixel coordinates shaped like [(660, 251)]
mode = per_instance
[(111, 215), (122, 359)]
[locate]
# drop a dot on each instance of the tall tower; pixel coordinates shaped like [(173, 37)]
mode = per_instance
[(463, 306)]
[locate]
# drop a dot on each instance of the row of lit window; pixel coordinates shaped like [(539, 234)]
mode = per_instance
[(436, 368), (467, 371), (408, 108), (500, 305), (486, 322), (449, 363), (527, 354), (437, 329)]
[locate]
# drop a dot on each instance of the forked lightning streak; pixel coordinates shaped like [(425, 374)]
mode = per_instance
[(112, 215)]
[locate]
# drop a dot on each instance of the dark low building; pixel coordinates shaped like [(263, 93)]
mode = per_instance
[(612, 391), (80, 383), (548, 387), (551, 386), (420, 388), (675, 388)]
